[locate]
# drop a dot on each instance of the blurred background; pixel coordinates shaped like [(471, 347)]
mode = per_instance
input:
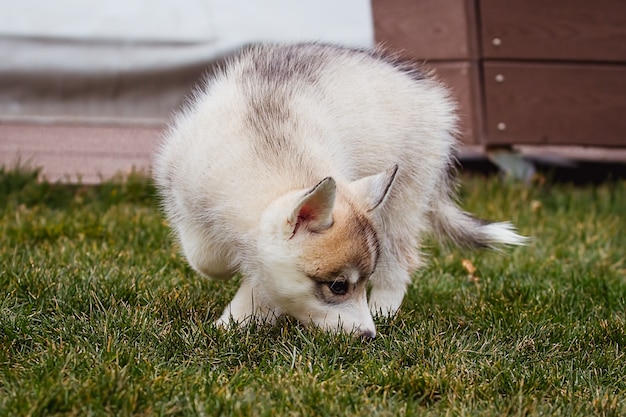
[(87, 87)]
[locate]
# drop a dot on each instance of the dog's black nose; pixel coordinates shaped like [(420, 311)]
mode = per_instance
[(368, 334)]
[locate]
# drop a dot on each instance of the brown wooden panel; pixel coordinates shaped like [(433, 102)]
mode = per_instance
[(555, 104), (462, 79), (429, 29), (551, 29)]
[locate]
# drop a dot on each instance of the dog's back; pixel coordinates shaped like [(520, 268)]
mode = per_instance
[(281, 118)]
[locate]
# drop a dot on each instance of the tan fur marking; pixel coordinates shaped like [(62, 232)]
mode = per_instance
[(347, 244)]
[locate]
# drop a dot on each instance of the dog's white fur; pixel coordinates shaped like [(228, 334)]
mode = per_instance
[(314, 171)]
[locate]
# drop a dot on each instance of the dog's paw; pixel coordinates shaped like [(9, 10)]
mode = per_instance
[(378, 310), (385, 303), (223, 323), (228, 320)]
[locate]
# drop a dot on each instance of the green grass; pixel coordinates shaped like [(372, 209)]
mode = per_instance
[(100, 315)]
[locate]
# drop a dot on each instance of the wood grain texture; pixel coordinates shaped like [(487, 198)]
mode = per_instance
[(554, 30), (463, 81), (427, 29), (556, 104)]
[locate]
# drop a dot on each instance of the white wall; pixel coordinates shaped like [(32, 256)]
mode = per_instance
[(205, 27)]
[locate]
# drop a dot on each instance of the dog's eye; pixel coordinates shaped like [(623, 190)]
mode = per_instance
[(338, 287)]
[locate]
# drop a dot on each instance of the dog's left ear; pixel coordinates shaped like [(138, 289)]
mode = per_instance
[(372, 191), (314, 209)]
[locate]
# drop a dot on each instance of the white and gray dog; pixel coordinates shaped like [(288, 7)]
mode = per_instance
[(315, 171)]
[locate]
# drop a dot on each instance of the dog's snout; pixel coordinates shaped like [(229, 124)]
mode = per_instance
[(368, 334)]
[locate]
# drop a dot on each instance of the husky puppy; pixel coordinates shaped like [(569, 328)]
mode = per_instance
[(314, 171)]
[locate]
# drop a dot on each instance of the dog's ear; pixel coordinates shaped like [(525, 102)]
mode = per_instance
[(313, 211), (372, 191)]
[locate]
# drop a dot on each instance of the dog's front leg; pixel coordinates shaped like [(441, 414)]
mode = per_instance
[(246, 306), (387, 292), (393, 273)]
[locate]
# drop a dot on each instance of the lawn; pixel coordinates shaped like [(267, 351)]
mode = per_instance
[(100, 315)]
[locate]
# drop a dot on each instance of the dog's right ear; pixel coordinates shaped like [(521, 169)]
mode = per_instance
[(313, 211), (372, 191)]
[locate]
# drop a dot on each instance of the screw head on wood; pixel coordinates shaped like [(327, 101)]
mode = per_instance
[(501, 126), (496, 41), (499, 78)]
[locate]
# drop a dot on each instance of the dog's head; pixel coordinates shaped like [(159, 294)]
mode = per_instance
[(319, 247)]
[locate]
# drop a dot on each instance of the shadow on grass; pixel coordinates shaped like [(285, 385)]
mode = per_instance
[(577, 173)]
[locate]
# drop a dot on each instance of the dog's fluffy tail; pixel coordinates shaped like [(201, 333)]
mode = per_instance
[(448, 220)]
